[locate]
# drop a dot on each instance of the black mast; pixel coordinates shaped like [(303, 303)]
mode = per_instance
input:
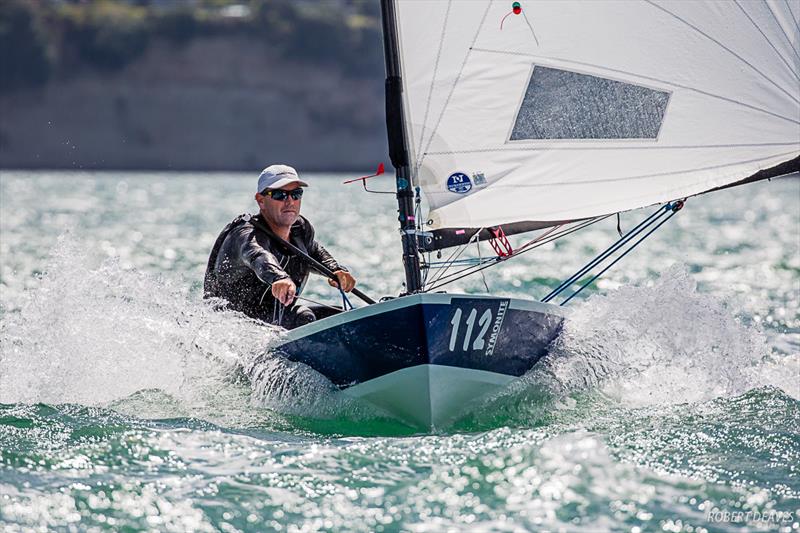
[(398, 147)]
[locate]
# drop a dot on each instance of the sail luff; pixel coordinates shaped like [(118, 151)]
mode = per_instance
[(398, 147)]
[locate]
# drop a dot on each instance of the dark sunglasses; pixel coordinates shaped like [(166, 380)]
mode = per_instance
[(281, 195)]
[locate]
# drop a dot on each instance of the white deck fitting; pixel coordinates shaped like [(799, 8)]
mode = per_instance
[(428, 396)]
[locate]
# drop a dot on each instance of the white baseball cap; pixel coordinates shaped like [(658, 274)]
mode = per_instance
[(277, 176)]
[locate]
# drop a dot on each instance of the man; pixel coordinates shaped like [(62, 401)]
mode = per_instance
[(251, 267)]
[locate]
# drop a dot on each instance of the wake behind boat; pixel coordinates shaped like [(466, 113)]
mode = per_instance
[(548, 116)]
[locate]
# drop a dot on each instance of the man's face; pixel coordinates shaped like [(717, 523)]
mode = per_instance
[(280, 213)]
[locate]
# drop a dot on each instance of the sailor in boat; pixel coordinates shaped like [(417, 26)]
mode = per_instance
[(255, 271)]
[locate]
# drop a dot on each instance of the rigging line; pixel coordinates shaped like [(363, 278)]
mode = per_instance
[(494, 261), (535, 243), (620, 257), (737, 56), (606, 253), (424, 267), (530, 26), (460, 251), (788, 40), (451, 259), (419, 224), (317, 303), (455, 82), (792, 16), (462, 262), (418, 161), (602, 148), (483, 277), (465, 261), (785, 62), (425, 275), (466, 272), (540, 237), (650, 78), (446, 261), (580, 224)]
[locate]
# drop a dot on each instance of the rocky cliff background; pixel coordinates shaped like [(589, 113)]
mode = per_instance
[(191, 85)]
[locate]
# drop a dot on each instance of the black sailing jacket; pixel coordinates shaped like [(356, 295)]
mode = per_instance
[(246, 260)]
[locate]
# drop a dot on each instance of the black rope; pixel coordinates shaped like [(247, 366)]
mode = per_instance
[(607, 252), (675, 207)]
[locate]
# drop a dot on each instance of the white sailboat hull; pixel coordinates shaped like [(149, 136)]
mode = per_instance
[(429, 396)]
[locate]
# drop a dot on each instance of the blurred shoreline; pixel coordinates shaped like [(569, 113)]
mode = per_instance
[(210, 92)]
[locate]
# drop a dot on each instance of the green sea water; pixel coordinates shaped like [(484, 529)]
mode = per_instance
[(670, 402)]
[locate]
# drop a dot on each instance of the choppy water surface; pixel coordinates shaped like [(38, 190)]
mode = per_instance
[(670, 401)]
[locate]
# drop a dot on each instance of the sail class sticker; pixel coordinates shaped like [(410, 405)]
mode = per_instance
[(459, 183)]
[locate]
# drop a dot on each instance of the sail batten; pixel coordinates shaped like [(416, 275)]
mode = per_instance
[(764, 76), (574, 110), (785, 61)]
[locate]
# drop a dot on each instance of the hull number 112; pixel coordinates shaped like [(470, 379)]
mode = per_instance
[(479, 341)]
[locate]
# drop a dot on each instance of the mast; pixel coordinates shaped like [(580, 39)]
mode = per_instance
[(398, 147)]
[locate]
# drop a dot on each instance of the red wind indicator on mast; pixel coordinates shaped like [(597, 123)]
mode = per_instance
[(364, 178)]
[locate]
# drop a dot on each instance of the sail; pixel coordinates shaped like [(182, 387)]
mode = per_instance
[(528, 113)]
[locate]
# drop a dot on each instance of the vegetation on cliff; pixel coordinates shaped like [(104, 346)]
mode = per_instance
[(45, 39)]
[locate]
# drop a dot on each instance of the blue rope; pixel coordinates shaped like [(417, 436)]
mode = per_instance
[(608, 251), (345, 302), (675, 208)]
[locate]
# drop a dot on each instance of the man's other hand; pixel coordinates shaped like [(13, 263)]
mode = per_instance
[(346, 280), (284, 290)]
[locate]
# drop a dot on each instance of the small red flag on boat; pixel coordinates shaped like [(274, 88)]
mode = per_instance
[(377, 173)]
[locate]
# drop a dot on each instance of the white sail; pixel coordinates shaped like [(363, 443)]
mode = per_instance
[(575, 109)]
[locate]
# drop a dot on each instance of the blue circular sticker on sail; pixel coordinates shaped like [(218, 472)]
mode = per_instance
[(459, 182)]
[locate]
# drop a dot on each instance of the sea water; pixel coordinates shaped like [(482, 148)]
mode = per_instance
[(670, 402)]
